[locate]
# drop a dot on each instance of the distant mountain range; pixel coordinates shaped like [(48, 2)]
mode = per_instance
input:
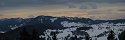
[(10, 28), (9, 24)]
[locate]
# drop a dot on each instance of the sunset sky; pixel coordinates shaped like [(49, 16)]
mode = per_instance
[(95, 9)]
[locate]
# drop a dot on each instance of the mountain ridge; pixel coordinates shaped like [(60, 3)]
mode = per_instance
[(7, 24)]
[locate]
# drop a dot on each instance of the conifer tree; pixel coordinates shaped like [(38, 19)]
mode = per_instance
[(122, 36), (111, 36), (54, 36), (75, 38), (87, 37)]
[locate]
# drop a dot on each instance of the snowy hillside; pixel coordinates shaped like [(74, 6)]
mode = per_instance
[(98, 31)]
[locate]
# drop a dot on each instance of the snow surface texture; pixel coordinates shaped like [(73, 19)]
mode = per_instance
[(70, 24), (97, 29), (53, 19)]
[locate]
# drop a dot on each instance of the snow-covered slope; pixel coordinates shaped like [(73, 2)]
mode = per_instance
[(98, 31)]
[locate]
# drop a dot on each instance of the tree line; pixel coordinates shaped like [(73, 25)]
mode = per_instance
[(34, 35)]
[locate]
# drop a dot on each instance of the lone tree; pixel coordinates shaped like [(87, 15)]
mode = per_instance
[(87, 37), (24, 35), (111, 35), (122, 36)]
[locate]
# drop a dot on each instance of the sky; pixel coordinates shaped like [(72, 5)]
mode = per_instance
[(95, 9)]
